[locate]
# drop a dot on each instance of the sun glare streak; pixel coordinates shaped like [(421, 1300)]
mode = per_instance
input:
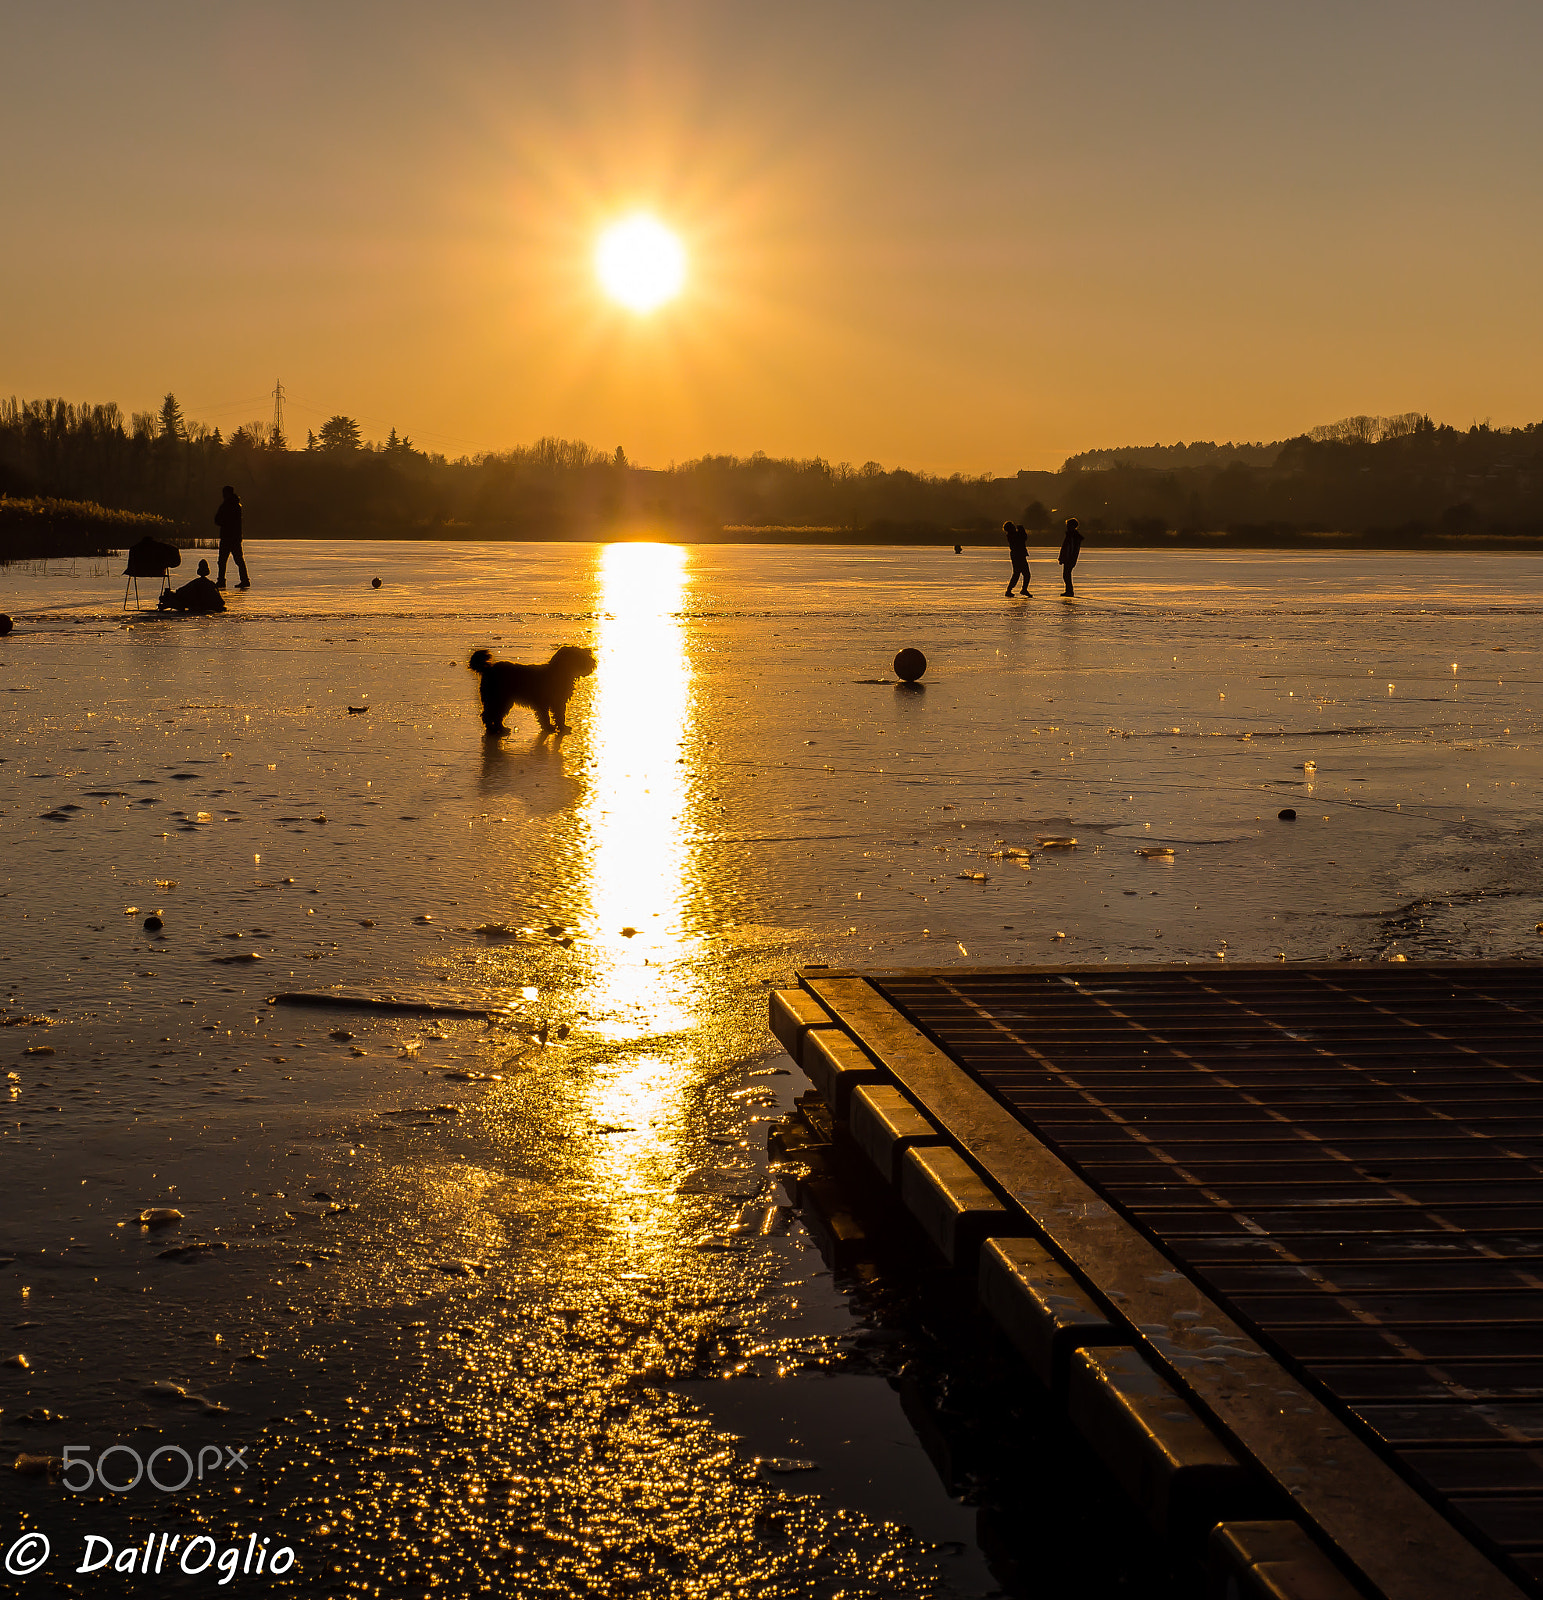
[(638, 866), (640, 263)]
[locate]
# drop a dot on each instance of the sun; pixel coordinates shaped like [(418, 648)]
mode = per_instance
[(640, 263)]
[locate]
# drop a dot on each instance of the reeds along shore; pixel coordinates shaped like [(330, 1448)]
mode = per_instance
[(43, 529)]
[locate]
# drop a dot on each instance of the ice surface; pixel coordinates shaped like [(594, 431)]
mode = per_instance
[(727, 764), (739, 798)]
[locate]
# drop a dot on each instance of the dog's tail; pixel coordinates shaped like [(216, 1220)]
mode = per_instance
[(479, 660)]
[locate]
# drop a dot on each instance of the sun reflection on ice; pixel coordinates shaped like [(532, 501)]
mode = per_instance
[(642, 986)]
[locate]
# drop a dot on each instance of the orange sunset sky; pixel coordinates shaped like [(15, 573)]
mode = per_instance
[(961, 237)]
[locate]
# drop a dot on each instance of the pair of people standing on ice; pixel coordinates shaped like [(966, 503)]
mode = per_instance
[(1018, 548)]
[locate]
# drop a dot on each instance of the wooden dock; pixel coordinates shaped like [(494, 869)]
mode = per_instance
[(1274, 1234)]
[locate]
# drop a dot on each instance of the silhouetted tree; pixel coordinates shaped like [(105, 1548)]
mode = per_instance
[(1370, 430), (172, 424), (339, 433)]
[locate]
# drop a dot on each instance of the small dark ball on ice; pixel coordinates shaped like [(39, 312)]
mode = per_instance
[(958, 549), (5, 624), (910, 664), (152, 924), (374, 583), (1288, 815)]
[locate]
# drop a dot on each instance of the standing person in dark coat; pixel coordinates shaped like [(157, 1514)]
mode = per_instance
[(1018, 549), (1070, 545), (229, 519)]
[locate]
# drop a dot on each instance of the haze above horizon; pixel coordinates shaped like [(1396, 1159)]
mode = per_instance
[(979, 239)]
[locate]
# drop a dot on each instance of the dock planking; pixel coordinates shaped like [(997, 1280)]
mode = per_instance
[(1345, 1161)]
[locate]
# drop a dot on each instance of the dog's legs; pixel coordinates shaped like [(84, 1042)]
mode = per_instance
[(492, 712), (560, 711)]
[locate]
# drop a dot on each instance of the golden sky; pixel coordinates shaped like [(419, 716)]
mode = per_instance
[(960, 237)]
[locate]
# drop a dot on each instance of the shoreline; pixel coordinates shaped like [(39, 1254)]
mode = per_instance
[(1210, 543)]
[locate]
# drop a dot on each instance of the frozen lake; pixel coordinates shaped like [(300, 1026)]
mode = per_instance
[(730, 765), (745, 790)]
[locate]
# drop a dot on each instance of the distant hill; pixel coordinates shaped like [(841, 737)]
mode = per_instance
[(1168, 457)]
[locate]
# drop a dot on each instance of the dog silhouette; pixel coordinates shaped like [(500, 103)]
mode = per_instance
[(545, 689)]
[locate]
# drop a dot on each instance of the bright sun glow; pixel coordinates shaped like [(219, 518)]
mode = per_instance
[(640, 263)]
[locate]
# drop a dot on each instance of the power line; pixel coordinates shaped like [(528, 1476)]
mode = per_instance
[(225, 406), (281, 397), (382, 422)]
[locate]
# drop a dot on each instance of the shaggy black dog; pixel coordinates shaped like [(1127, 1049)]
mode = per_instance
[(546, 690)]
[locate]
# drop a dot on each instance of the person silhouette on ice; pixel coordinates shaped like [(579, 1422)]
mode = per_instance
[(1070, 545), (200, 596), (229, 519), (1018, 549)]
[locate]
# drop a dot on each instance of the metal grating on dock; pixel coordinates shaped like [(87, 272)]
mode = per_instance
[(1350, 1158)]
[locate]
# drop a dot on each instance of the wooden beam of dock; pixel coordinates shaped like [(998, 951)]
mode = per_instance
[(1170, 1136)]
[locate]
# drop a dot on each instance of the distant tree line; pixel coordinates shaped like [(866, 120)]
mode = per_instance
[(1169, 457), (1400, 480), (1397, 480)]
